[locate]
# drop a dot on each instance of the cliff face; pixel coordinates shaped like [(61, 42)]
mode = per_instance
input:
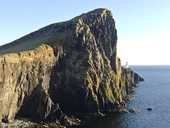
[(22, 74), (77, 71), (86, 73)]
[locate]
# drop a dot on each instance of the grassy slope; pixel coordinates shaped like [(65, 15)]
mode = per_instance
[(34, 39)]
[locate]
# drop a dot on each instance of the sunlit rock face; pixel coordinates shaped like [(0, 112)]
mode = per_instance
[(20, 75), (69, 67)]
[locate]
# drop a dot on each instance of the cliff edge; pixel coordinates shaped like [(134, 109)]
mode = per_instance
[(64, 68)]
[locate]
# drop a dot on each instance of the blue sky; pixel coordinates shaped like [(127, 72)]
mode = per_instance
[(143, 26)]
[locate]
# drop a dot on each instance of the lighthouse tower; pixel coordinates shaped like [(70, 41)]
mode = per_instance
[(127, 66)]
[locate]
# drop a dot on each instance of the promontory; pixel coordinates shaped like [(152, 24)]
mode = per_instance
[(64, 69)]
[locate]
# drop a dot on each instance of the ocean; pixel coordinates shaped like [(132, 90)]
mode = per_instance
[(154, 92)]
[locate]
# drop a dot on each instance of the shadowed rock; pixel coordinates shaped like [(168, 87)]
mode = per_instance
[(149, 109), (132, 110)]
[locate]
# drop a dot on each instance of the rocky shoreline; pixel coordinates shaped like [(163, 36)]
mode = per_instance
[(26, 123)]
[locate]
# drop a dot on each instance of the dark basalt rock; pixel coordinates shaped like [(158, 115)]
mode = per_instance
[(132, 110), (149, 109), (131, 79), (137, 78), (76, 71)]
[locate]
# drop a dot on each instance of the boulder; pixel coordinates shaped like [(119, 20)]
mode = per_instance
[(149, 109), (132, 110)]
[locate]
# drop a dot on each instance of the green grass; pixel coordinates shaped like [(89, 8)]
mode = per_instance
[(31, 44), (24, 46)]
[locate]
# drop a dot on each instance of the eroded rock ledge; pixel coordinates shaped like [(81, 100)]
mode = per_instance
[(63, 69)]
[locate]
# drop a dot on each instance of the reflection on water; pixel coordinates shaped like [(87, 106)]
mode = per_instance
[(154, 92), (104, 122)]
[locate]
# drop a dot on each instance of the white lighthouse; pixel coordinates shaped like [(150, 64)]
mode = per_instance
[(127, 66)]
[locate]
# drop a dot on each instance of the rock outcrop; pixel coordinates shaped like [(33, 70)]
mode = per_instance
[(131, 79), (70, 67)]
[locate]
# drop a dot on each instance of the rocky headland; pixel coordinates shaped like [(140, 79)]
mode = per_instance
[(64, 69)]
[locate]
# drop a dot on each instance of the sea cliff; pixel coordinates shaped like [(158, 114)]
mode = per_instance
[(67, 68)]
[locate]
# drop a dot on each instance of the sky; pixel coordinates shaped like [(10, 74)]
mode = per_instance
[(143, 26)]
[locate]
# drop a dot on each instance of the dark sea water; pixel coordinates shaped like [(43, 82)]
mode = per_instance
[(154, 92)]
